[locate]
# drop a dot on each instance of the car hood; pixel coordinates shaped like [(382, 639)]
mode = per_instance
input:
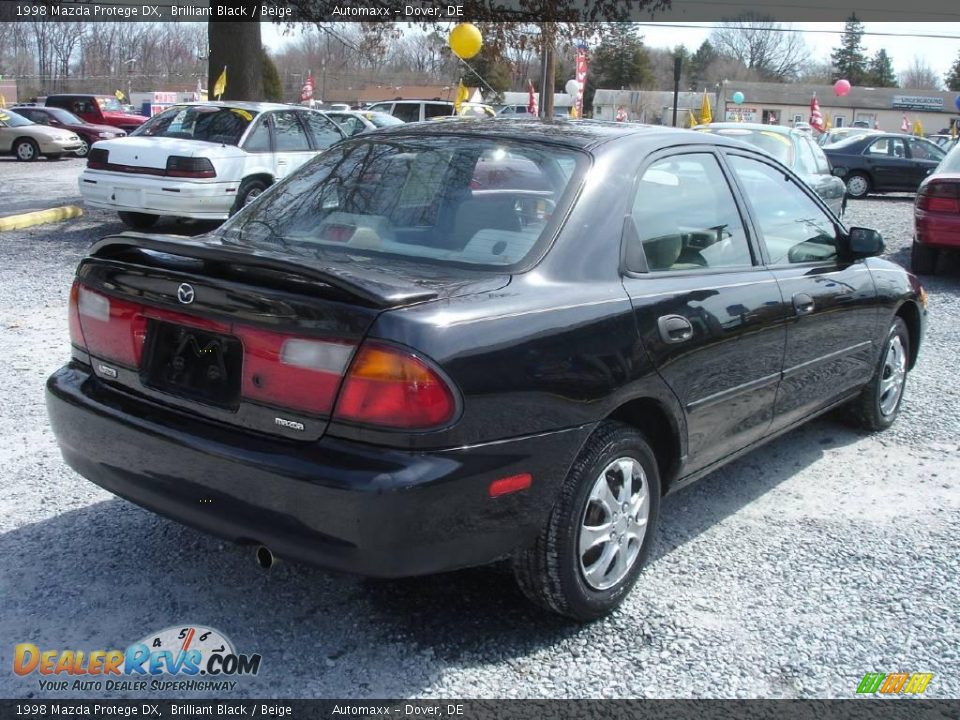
[(93, 127), (124, 117), (142, 151), (42, 132)]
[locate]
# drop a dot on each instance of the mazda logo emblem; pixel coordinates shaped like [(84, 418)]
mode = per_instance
[(185, 293)]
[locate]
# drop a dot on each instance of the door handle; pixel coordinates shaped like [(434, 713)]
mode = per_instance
[(674, 328), (803, 303)]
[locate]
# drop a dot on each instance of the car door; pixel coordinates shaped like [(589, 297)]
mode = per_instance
[(886, 160), (831, 303), (924, 158), (291, 142), (709, 314)]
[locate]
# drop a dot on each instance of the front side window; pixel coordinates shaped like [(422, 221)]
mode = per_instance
[(259, 138), (461, 200), (207, 123), (794, 228), (325, 133), (924, 150), (288, 133), (686, 217)]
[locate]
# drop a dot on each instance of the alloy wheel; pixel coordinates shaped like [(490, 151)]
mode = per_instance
[(892, 376), (614, 523)]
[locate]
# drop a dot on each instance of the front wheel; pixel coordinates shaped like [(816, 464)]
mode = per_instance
[(858, 185), (138, 221), (250, 190), (877, 406), (84, 148), (26, 150), (600, 531)]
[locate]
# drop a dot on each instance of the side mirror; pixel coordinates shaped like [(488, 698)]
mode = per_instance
[(864, 242)]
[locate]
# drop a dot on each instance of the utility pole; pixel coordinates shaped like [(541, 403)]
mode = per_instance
[(677, 67)]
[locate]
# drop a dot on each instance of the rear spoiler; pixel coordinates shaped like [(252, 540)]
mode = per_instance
[(373, 291)]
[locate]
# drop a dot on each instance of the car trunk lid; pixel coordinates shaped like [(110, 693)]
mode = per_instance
[(251, 338)]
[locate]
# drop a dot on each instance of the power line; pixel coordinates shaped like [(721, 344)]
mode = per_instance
[(797, 30)]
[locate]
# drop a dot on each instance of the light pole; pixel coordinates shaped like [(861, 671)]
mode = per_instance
[(129, 64)]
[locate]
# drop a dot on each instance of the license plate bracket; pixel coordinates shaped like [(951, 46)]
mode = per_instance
[(193, 364)]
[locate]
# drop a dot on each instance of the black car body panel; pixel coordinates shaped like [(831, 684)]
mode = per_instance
[(538, 357)]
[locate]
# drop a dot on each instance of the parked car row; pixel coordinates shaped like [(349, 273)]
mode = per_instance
[(883, 162), (26, 140)]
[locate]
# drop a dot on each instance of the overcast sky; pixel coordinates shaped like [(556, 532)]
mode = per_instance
[(939, 53)]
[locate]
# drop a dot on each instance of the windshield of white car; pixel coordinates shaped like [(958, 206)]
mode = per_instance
[(11, 119), (206, 123), (772, 143), (381, 119), (442, 200)]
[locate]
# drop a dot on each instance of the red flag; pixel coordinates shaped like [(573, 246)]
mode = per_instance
[(532, 102), (816, 117), (581, 78), (306, 92)]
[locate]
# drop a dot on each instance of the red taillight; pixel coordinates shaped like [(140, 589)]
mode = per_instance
[(73, 317), (190, 167), (112, 329), (292, 372), (939, 196), (98, 159), (391, 387)]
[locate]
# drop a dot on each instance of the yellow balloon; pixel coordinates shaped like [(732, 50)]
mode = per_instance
[(465, 40)]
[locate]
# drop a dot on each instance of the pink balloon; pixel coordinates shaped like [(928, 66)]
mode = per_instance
[(841, 87)]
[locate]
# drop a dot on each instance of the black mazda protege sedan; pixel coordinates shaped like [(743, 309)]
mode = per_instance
[(442, 345)]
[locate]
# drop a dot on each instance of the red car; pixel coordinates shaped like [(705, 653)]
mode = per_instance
[(97, 109), (60, 118), (936, 215)]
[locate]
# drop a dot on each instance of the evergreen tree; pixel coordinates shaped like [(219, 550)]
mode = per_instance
[(700, 64), (272, 87), (952, 80), (880, 72), (620, 61), (849, 60)]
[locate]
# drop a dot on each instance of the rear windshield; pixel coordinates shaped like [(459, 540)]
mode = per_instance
[(951, 163), (772, 143), (208, 123), (450, 200), (110, 104)]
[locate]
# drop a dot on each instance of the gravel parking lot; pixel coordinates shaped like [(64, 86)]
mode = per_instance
[(790, 573)]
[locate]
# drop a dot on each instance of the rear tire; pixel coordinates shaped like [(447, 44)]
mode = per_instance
[(878, 405), (923, 259), (26, 150), (250, 190), (858, 185), (138, 221), (567, 573)]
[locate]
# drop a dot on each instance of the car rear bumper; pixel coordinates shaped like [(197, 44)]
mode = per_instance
[(157, 196), (343, 505), (937, 229)]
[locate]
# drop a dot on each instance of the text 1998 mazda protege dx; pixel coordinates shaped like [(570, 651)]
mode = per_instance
[(436, 347)]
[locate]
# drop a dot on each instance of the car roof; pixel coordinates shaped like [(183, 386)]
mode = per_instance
[(578, 134), (244, 105), (756, 127)]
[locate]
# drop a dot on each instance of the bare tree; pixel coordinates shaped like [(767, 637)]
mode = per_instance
[(770, 48), (919, 76)]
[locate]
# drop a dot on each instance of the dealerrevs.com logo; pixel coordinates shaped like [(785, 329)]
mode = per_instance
[(197, 657)]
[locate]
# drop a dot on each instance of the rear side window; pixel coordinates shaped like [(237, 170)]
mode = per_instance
[(686, 217), (462, 200), (924, 150), (408, 112), (819, 158), (432, 110), (259, 138)]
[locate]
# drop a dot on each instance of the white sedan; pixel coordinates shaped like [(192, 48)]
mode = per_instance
[(202, 160)]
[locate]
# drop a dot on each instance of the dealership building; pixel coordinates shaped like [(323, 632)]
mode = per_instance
[(786, 103)]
